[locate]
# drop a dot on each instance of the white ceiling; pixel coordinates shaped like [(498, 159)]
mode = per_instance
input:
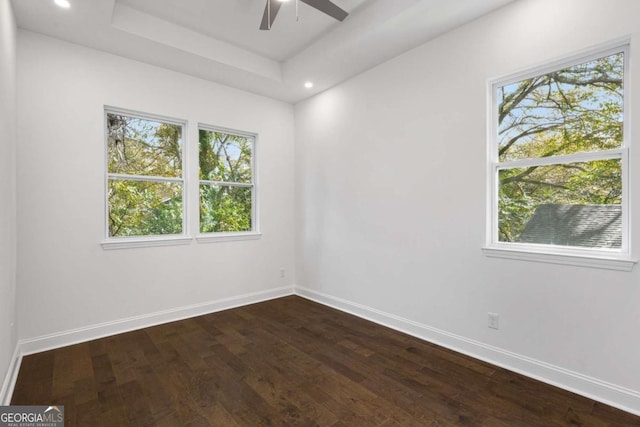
[(219, 40), (237, 22)]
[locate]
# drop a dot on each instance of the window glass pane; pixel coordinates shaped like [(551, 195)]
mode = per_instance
[(575, 109), (576, 204), (143, 147), (225, 157), (141, 208), (225, 208)]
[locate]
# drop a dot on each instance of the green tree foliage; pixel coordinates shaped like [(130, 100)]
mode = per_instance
[(573, 110), (138, 149), (225, 162)]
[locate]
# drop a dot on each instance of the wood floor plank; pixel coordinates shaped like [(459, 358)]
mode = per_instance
[(35, 378), (290, 362)]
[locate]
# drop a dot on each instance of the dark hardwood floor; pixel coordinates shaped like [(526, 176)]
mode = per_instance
[(289, 362)]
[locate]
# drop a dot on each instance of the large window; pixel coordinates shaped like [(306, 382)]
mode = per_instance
[(227, 188), (145, 185), (558, 158)]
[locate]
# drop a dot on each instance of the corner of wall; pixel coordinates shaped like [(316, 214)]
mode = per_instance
[(8, 245), (6, 392), (592, 388)]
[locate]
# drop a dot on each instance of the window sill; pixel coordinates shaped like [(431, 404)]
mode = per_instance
[(577, 259), (147, 242), (227, 237)]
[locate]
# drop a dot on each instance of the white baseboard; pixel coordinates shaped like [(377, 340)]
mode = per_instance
[(10, 379), (88, 333), (593, 388)]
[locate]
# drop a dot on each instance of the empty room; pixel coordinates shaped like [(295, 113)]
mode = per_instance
[(319, 213)]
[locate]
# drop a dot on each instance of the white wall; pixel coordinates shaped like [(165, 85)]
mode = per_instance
[(390, 196), (7, 186), (66, 280), (391, 201)]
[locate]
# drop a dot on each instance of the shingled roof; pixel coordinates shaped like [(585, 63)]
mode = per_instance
[(597, 226)]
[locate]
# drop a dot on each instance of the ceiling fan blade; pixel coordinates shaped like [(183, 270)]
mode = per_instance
[(327, 7), (275, 7)]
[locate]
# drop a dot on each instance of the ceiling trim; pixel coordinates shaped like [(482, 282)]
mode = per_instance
[(375, 31), (132, 21)]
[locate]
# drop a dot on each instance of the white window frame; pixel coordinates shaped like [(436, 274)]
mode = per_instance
[(615, 259), (254, 233), (125, 242)]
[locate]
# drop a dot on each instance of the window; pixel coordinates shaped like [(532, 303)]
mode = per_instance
[(558, 159), (227, 186), (145, 170)]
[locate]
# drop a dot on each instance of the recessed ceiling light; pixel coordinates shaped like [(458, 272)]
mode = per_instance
[(63, 3), (308, 85)]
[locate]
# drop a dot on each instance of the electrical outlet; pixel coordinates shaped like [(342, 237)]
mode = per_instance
[(282, 272), (494, 320)]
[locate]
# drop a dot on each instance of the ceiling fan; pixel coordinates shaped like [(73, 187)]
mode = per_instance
[(326, 6)]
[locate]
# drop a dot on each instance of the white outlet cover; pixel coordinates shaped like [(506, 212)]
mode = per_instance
[(494, 320)]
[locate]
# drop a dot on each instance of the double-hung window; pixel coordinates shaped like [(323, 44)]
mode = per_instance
[(227, 183), (145, 177), (558, 160)]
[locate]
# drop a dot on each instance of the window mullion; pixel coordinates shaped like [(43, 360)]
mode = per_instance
[(564, 159), (226, 183), (150, 178)]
